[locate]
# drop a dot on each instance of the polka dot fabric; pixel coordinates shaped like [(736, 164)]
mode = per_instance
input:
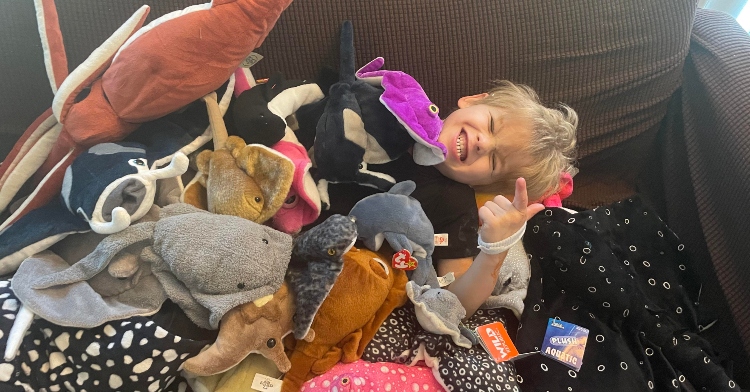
[(364, 376), (125, 355), (623, 274), (401, 339)]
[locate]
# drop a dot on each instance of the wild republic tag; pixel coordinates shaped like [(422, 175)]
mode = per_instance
[(495, 340), (565, 342), (403, 260)]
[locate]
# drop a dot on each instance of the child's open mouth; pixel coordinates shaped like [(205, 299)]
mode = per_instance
[(461, 148)]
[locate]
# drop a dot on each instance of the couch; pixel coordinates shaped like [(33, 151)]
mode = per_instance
[(660, 86)]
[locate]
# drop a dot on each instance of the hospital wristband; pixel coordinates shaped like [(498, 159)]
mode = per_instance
[(498, 247)]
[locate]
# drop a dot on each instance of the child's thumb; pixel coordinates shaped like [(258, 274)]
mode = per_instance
[(533, 209)]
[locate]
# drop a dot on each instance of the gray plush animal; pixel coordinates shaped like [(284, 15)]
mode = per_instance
[(438, 311), (396, 217), (317, 260), (206, 263)]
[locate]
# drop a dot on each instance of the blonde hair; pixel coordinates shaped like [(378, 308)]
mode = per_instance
[(553, 140)]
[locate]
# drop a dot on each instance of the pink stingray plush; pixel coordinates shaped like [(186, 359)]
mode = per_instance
[(137, 75), (302, 204)]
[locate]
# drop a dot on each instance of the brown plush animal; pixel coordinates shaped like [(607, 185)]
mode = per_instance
[(249, 329), (366, 292), (249, 181)]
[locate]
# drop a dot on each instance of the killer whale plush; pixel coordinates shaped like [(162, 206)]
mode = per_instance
[(355, 130)]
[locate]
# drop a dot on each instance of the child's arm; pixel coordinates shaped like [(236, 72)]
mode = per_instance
[(500, 218)]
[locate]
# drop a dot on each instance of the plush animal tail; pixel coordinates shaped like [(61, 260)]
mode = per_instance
[(347, 67)]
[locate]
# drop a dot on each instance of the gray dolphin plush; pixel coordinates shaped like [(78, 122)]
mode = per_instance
[(396, 217)]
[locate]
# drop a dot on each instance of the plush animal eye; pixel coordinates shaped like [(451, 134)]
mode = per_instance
[(360, 166), (271, 343), (434, 109), (331, 251), (240, 286), (265, 241), (345, 381), (291, 199), (258, 199), (137, 162)]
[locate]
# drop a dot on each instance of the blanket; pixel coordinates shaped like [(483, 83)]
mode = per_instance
[(620, 272)]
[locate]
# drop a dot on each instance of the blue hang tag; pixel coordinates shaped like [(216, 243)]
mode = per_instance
[(565, 342)]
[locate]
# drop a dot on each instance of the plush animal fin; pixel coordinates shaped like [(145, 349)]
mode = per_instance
[(398, 241), (28, 154), (403, 188), (95, 65), (99, 259), (346, 51), (23, 321), (55, 59)]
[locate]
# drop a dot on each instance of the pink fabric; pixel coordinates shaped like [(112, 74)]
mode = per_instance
[(300, 207), (566, 189), (365, 376)]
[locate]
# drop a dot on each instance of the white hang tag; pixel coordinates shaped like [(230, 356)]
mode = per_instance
[(441, 239), (447, 279), (264, 383), (251, 60)]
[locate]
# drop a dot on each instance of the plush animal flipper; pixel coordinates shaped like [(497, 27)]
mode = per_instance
[(100, 258), (425, 273), (35, 232)]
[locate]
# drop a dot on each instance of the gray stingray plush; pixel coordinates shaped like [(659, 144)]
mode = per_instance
[(396, 217), (206, 263), (317, 260), (438, 311)]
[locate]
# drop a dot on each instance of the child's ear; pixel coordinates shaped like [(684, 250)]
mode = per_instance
[(470, 100)]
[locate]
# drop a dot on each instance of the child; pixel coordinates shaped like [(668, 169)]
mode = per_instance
[(501, 142)]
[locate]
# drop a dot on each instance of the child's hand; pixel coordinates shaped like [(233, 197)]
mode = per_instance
[(500, 218)]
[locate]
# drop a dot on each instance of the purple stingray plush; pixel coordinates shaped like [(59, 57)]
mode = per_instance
[(406, 99)]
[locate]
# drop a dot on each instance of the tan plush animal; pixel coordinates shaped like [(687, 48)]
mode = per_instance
[(249, 181), (250, 329)]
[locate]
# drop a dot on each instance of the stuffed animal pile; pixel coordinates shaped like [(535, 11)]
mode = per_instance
[(131, 210)]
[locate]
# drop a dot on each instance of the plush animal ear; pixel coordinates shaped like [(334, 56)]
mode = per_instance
[(272, 171), (403, 188), (203, 160)]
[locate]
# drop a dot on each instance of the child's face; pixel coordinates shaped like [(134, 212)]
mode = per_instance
[(485, 143)]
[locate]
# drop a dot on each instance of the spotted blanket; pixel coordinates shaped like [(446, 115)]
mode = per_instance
[(126, 355)]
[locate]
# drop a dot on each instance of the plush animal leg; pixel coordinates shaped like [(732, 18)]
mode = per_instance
[(24, 318)]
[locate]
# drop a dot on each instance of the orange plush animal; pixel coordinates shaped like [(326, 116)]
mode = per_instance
[(137, 75)]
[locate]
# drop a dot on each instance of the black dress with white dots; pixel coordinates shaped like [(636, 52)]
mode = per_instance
[(134, 354), (401, 339), (623, 274)]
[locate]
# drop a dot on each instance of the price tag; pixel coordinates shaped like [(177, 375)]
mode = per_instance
[(403, 260), (565, 342), (495, 340)]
